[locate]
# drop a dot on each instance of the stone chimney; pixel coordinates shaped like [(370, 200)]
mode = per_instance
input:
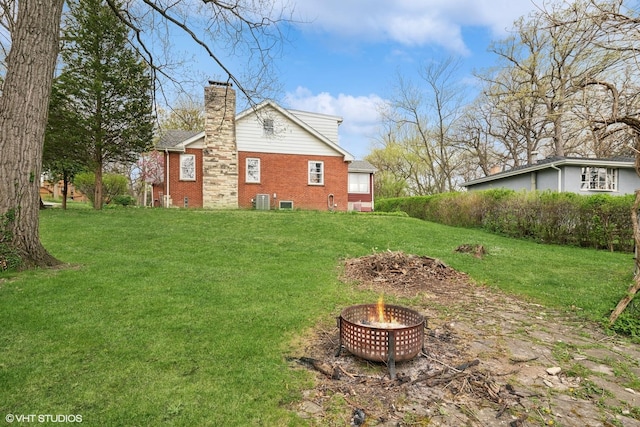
[(220, 152)]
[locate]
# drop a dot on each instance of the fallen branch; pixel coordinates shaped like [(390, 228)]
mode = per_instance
[(522, 359), (330, 371), (624, 302), (349, 374), (442, 376)]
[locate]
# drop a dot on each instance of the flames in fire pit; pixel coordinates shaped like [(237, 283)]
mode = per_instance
[(381, 318), (382, 332)]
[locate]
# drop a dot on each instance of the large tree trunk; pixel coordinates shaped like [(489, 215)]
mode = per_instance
[(97, 193), (23, 118), (65, 189)]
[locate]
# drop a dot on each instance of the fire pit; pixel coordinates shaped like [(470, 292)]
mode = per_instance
[(381, 333)]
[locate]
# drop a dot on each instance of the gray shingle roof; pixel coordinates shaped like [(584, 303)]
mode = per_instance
[(554, 159), (173, 137), (362, 166), (618, 161)]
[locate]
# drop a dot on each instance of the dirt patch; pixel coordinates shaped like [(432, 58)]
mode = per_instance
[(489, 360)]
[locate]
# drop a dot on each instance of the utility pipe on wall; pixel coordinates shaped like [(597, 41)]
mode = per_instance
[(165, 197), (534, 182)]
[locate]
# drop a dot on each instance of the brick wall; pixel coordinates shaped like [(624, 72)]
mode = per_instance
[(287, 176), (181, 189)]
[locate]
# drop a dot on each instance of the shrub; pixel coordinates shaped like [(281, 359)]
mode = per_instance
[(628, 323), (113, 185), (124, 200), (600, 221)]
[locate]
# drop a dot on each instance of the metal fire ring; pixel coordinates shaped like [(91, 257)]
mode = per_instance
[(381, 344)]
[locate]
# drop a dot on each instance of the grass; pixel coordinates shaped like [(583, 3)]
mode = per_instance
[(183, 317)]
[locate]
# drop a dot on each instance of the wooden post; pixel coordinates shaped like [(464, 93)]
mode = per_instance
[(391, 353)]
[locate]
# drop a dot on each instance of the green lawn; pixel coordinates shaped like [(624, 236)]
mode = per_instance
[(176, 317)]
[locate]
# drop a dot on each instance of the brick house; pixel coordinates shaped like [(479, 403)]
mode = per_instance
[(265, 157), (53, 190)]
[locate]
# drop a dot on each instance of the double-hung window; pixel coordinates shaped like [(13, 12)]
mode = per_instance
[(253, 170), (599, 179), (316, 173), (187, 167)]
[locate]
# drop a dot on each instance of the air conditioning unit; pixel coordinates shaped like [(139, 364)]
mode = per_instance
[(263, 202), (286, 204)]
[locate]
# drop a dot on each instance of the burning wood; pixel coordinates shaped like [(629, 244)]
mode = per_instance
[(381, 318)]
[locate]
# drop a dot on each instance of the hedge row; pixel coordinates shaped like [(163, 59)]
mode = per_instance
[(598, 221)]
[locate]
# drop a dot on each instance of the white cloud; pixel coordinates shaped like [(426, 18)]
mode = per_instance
[(410, 22), (359, 113)]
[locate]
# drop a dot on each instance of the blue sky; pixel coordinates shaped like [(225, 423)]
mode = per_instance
[(344, 58)]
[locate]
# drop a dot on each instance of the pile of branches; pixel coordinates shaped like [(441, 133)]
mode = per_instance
[(401, 271)]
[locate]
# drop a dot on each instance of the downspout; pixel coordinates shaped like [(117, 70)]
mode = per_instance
[(166, 194), (371, 183), (534, 181), (559, 177)]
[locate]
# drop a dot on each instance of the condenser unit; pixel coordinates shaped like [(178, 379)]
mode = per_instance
[(263, 202)]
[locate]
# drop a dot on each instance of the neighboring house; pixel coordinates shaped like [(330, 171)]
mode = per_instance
[(265, 157), (616, 176), (53, 190)]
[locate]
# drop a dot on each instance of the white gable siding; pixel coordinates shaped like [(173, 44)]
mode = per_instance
[(198, 144), (326, 125), (288, 137)]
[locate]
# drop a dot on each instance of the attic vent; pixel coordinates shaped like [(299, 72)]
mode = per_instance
[(267, 126), (263, 202), (286, 204)]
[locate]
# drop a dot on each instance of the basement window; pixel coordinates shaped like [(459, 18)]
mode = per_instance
[(286, 204)]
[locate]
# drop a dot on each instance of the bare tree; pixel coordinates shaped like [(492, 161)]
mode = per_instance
[(513, 118), (613, 105), (221, 28), (445, 99), (8, 15), (421, 118), (187, 114), (545, 65), (480, 151)]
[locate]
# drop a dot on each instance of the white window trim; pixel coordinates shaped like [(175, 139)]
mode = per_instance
[(185, 159), (285, 201), (310, 168), (249, 178), (610, 174)]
